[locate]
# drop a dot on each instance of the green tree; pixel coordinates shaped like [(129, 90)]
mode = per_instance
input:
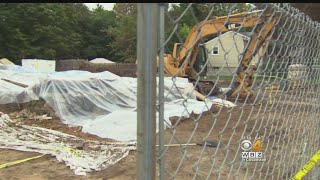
[(48, 31), (184, 31), (71, 30), (95, 37), (124, 33)]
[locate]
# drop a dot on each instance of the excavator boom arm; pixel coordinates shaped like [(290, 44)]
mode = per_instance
[(206, 29), (212, 27)]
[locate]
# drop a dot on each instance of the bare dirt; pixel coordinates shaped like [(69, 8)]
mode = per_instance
[(48, 167), (181, 162)]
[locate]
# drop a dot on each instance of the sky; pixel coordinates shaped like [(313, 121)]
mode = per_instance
[(107, 6)]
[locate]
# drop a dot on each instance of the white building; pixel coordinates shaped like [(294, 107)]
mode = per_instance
[(225, 53)]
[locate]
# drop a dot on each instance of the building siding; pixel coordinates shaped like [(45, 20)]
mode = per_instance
[(230, 45)]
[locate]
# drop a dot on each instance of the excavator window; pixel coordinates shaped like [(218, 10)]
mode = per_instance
[(201, 60)]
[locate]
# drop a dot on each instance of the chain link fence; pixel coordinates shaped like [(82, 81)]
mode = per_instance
[(253, 109)]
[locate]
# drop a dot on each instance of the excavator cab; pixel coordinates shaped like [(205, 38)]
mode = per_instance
[(200, 63)]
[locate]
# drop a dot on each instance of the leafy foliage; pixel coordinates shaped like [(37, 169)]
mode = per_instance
[(71, 30), (125, 32)]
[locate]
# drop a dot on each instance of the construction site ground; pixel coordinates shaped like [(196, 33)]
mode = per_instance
[(48, 167)]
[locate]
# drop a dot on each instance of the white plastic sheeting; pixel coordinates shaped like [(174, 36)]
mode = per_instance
[(123, 124), (93, 156), (103, 103), (10, 93)]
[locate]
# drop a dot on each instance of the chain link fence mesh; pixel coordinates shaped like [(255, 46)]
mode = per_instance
[(269, 50)]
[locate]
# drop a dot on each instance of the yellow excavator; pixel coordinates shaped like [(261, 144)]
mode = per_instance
[(185, 57)]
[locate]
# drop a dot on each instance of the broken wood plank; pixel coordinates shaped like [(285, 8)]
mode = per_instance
[(15, 83), (199, 95)]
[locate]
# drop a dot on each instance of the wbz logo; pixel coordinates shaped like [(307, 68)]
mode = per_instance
[(253, 156), (248, 155), (246, 145)]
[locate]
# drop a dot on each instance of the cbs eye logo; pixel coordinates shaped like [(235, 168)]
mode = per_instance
[(246, 145)]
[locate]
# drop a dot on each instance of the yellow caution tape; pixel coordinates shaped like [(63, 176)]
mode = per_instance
[(19, 161), (37, 65), (307, 167), (70, 150), (270, 97)]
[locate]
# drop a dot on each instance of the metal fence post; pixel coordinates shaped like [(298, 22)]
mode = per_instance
[(161, 92), (147, 47)]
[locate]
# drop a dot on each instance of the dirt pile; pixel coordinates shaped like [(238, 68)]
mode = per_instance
[(29, 109)]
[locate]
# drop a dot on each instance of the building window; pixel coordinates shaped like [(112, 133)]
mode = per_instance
[(215, 51)]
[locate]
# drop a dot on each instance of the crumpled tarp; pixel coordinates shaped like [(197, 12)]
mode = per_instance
[(104, 104), (93, 156), (11, 93)]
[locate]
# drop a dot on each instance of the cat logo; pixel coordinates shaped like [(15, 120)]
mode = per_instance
[(232, 25)]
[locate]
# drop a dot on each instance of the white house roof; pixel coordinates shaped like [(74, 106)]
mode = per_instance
[(101, 60), (236, 33)]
